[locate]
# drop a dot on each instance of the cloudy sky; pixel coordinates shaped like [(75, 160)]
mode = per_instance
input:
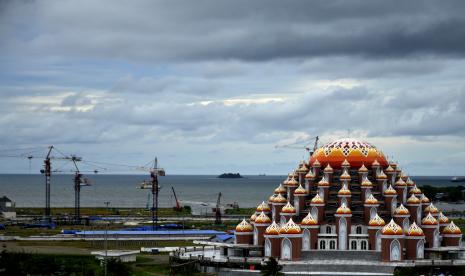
[(213, 86)]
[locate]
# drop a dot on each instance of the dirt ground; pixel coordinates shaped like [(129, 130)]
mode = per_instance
[(17, 247)]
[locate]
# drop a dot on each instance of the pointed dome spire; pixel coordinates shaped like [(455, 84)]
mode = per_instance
[(392, 229), (253, 217), (244, 226), (425, 200), (292, 182), (273, 229), (366, 183), (262, 218), (323, 182), (263, 207), (279, 199), (431, 209), (280, 189), (376, 221), (390, 169), (442, 218), (452, 229), (288, 209), (317, 199), (375, 163), (413, 200), (344, 191), (290, 228), (381, 176), (401, 211), (415, 190), (371, 200), (310, 175), (300, 191), (415, 230), (343, 209), (316, 164), (328, 169), (429, 220), (410, 182), (400, 183), (363, 169), (309, 220), (345, 163), (345, 175), (390, 191)]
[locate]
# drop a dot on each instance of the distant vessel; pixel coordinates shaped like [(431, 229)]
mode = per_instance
[(230, 175), (458, 179)]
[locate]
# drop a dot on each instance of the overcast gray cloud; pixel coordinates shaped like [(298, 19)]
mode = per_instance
[(209, 85)]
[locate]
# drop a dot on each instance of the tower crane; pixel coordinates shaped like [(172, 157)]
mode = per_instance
[(78, 182), (155, 171), (298, 145)]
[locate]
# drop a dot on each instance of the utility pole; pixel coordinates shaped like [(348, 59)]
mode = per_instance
[(106, 240)]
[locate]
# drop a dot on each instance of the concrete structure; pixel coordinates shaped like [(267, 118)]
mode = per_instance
[(125, 256), (7, 208)]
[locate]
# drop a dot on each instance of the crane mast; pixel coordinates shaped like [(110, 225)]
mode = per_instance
[(48, 173), (218, 211)]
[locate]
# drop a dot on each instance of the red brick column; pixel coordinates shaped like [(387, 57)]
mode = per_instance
[(411, 243), (275, 242), (386, 246), (429, 234), (261, 227), (367, 210), (451, 239), (244, 237), (372, 230), (276, 207), (413, 210)]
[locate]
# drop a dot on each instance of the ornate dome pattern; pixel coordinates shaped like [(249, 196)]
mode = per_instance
[(376, 221), (300, 191), (253, 217), (442, 218), (263, 207), (280, 189), (392, 229), (390, 191), (413, 200), (344, 191), (279, 199), (288, 209), (317, 200), (371, 200), (414, 230), (401, 211), (343, 210), (273, 229), (452, 229), (309, 220), (290, 228), (244, 226), (262, 218), (355, 152), (431, 209), (429, 220)]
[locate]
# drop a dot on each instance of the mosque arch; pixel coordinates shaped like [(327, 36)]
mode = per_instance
[(342, 234), (420, 249), (306, 240), (395, 251), (286, 249)]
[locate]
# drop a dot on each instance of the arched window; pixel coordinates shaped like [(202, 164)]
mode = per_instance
[(406, 224), (332, 245), (378, 240), (255, 236), (358, 229), (420, 249), (286, 251), (344, 200), (436, 238), (395, 250), (363, 245), (322, 244), (306, 240), (342, 234), (328, 229), (393, 205), (353, 245), (267, 247)]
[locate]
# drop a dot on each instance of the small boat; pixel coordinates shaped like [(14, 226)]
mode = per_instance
[(147, 185), (458, 179)]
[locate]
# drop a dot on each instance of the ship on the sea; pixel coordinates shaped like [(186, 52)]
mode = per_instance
[(458, 179)]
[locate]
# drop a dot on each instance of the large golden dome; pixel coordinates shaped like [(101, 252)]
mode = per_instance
[(356, 152)]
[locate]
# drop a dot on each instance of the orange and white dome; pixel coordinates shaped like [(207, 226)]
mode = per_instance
[(363, 169), (413, 200), (401, 211), (310, 175), (451, 229), (390, 191), (253, 217), (400, 183), (280, 189), (431, 209), (300, 191), (328, 169), (429, 220), (442, 218), (263, 207), (344, 191), (410, 182), (344, 176), (371, 200), (415, 190), (366, 183), (316, 163), (343, 210), (355, 152), (392, 229), (273, 229), (390, 169), (415, 230), (323, 182), (381, 176), (271, 198), (244, 226), (424, 200), (279, 199), (290, 228), (317, 200), (262, 218), (288, 209), (376, 221), (302, 169), (292, 182), (309, 220)]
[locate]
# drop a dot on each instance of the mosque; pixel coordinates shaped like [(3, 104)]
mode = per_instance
[(347, 198)]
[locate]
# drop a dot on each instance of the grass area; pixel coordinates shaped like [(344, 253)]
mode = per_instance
[(102, 211)]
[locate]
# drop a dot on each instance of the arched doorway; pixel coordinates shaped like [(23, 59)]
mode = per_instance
[(378, 240), (436, 238), (395, 250), (255, 236), (286, 249), (342, 234), (306, 240), (267, 247), (420, 249)]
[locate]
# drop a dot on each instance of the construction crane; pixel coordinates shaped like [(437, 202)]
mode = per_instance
[(155, 171), (78, 182), (298, 145), (218, 211), (178, 206)]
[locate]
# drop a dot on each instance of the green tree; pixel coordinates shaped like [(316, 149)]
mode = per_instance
[(272, 268)]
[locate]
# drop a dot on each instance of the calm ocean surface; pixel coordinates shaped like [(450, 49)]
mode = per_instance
[(123, 190)]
